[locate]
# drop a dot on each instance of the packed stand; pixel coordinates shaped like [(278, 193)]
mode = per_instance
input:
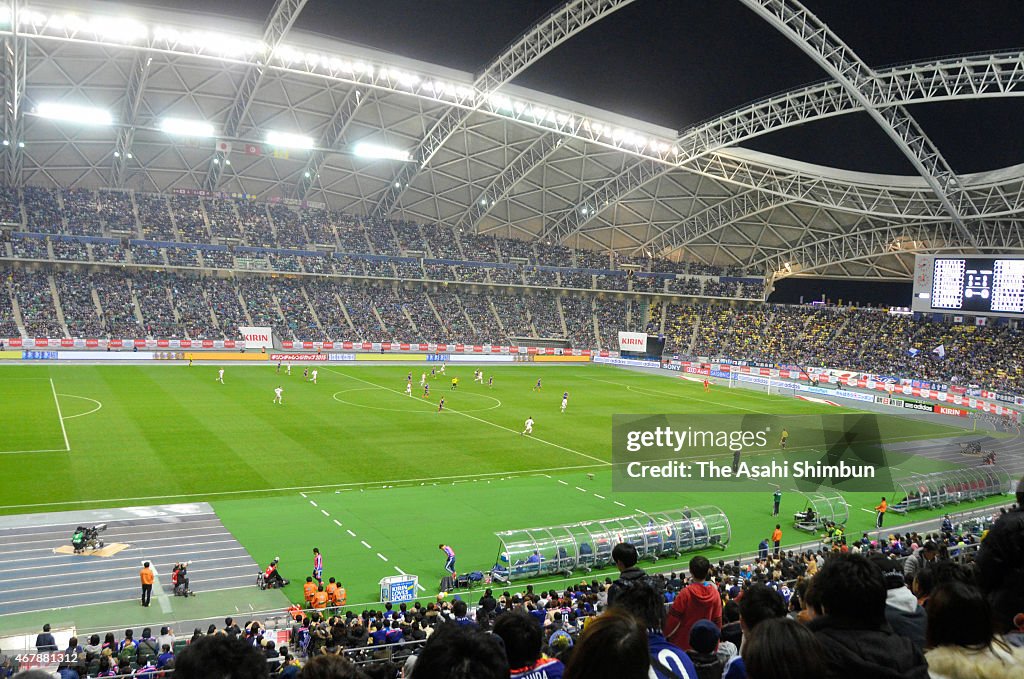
[(679, 324), (287, 226), (223, 299), (453, 319), (409, 237), (182, 257), (352, 236), (381, 236), (69, 250), (323, 297), (255, 224), (10, 206), (427, 323), (80, 313), (259, 301), (82, 212), (117, 212), (441, 242), (479, 248), (359, 302), (318, 224), (579, 319), (152, 290), (223, 218), (390, 307), (544, 315), (188, 217), (43, 210), (296, 311), (142, 254), (514, 315), (8, 327), (155, 217), (481, 315), (190, 301), (25, 247), (117, 304), (32, 290), (109, 252), (506, 276)]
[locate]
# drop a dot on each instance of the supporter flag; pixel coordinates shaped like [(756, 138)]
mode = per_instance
[(914, 351), (223, 146), (253, 150), (940, 351), (281, 153)]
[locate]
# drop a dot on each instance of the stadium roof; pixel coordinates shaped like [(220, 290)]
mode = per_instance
[(486, 155)]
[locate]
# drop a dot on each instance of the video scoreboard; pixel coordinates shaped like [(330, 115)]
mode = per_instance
[(990, 286)]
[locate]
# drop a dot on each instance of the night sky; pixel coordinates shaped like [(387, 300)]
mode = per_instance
[(675, 63)]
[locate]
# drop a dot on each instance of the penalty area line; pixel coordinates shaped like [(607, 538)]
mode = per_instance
[(60, 415)]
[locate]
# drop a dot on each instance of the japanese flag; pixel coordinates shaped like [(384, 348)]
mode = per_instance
[(223, 146)]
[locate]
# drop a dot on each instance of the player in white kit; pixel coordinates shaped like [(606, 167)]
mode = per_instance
[(423, 379), (277, 396), (408, 389), (220, 375), (288, 369), (529, 427), (313, 377)]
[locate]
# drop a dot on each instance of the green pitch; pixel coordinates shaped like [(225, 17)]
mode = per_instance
[(353, 465)]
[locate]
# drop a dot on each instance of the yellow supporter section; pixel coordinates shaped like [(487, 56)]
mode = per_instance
[(10, 355)]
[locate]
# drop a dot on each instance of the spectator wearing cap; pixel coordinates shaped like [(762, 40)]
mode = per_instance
[(904, 614), (704, 637)]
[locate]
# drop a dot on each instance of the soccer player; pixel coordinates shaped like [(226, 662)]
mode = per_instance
[(455, 383), (707, 385), (279, 367), (220, 376), (433, 373), (423, 379), (440, 404), (479, 376), (408, 389), (443, 366), (305, 373), (565, 400), (783, 439), (318, 565), (277, 396), (536, 387), (449, 563), (529, 427), (288, 369), (313, 377), (426, 390), (408, 378), (490, 382)]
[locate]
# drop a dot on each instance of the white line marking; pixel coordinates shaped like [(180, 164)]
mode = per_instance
[(866, 510), (582, 490), (382, 557), (562, 482), (618, 503), (324, 512), (115, 601), (474, 417), (60, 415), (40, 450), (400, 570), (349, 530), (107, 571), (313, 503), (337, 523), (600, 496), (366, 544), (282, 489), (302, 494), (84, 398)]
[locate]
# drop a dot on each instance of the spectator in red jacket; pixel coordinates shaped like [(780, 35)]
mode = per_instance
[(699, 600)]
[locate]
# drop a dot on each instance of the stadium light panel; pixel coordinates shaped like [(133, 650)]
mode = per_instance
[(367, 150), (187, 128), (288, 140), (83, 115)]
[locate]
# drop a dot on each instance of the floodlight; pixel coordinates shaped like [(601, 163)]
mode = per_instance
[(187, 128), (83, 115), (367, 150), (288, 140)]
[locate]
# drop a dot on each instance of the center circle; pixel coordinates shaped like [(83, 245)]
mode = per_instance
[(337, 397)]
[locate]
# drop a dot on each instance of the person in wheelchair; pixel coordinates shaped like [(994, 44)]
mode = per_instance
[(179, 578), (271, 578), (805, 517)]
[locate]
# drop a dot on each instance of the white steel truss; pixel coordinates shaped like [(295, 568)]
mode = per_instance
[(280, 21), (812, 36), (340, 121), (558, 26), (129, 113), (13, 63)]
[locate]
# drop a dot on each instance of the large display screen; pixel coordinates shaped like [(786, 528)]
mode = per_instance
[(972, 285)]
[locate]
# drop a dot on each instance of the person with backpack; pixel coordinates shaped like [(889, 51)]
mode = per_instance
[(625, 556), (148, 649)]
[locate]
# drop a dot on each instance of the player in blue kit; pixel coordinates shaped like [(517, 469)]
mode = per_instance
[(537, 387), (426, 390)]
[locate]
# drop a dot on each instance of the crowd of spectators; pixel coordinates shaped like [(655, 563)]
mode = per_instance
[(69, 250), (453, 319), (32, 290), (24, 247), (255, 224), (155, 217), (579, 321), (223, 218), (323, 296), (117, 304), (287, 226), (10, 206), (188, 216), (117, 212), (42, 210), (80, 313), (82, 212)]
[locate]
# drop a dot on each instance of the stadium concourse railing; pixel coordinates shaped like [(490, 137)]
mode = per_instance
[(277, 622)]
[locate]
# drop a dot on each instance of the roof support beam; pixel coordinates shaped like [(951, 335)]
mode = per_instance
[(129, 113), (334, 138), (281, 19), (552, 30), (14, 77), (816, 40), (502, 185)]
